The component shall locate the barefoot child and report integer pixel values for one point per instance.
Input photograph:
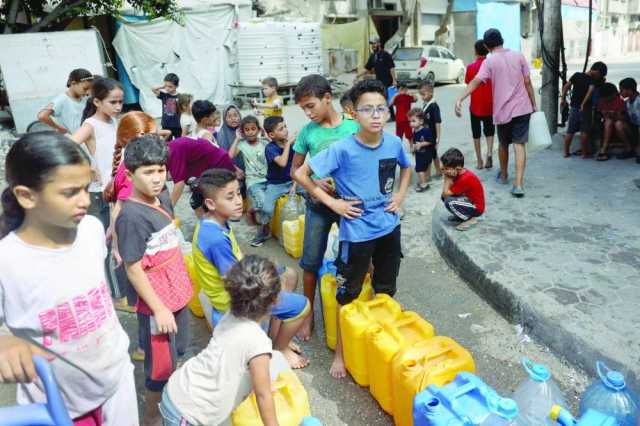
(364, 169)
(215, 251)
(52, 279)
(462, 191)
(168, 95)
(313, 95)
(209, 386)
(150, 247)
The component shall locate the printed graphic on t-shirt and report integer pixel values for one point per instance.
(73, 319)
(387, 174)
(170, 107)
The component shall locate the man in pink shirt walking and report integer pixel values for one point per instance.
(513, 103)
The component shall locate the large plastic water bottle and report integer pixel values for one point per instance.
(611, 396)
(505, 413)
(590, 418)
(289, 212)
(536, 395)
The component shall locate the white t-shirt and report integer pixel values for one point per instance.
(633, 110)
(68, 112)
(187, 120)
(59, 298)
(102, 160)
(208, 387)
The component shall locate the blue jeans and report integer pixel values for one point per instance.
(170, 414)
(271, 195)
(317, 224)
(256, 194)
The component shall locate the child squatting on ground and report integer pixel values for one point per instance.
(45, 223)
(238, 358)
(363, 167)
(462, 191)
(215, 251)
(149, 244)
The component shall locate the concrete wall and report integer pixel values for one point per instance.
(465, 32)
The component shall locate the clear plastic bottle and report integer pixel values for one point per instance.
(536, 395)
(289, 212)
(610, 395)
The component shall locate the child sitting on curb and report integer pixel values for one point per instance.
(462, 191)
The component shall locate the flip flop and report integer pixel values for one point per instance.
(465, 226)
(602, 157)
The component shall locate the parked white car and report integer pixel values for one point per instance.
(432, 63)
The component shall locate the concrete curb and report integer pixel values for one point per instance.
(578, 351)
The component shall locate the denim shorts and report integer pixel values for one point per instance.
(170, 414)
(288, 307)
(317, 224)
(271, 195)
(256, 193)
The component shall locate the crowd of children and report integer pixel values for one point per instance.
(115, 167)
(597, 107)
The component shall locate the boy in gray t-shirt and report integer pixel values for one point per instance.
(66, 108)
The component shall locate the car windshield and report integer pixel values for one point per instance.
(407, 54)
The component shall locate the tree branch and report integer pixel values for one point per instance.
(60, 10)
(12, 16)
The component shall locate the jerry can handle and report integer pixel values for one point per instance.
(603, 372)
(55, 404)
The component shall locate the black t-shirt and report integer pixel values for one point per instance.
(170, 114)
(423, 135)
(580, 83)
(141, 228)
(431, 118)
(381, 63)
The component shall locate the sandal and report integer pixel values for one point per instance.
(465, 226)
(602, 157)
(489, 163)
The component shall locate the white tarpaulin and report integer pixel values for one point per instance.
(201, 52)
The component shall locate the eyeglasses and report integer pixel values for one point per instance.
(369, 110)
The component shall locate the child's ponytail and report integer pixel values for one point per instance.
(99, 91)
(12, 213)
(30, 162)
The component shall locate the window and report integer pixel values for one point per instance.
(447, 54)
(433, 53)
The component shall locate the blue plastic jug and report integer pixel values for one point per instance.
(310, 421)
(590, 418)
(536, 395)
(467, 401)
(611, 396)
(53, 413)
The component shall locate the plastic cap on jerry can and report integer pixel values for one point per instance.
(310, 421)
(611, 396)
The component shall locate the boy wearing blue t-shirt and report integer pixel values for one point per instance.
(363, 167)
(279, 155)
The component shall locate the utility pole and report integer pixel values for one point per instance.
(551, 34)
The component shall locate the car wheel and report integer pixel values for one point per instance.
(460, 78)
(430, 78)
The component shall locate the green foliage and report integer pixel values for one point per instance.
(44, 15)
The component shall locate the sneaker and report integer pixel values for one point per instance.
(501, 180)
(517, 192)
(260, 238)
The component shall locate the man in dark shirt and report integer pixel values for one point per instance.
(380, 63)
(582, 86)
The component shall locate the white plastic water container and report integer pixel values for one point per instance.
(262, 52)
(304, 50)
(536, 395)
(539, 130)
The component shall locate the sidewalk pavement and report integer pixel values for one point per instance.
(564, 261)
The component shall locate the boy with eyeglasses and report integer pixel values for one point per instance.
(363, 167)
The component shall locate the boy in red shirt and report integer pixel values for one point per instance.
(402, 101)
(481, 108)
(612, 108)
(462, 191)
